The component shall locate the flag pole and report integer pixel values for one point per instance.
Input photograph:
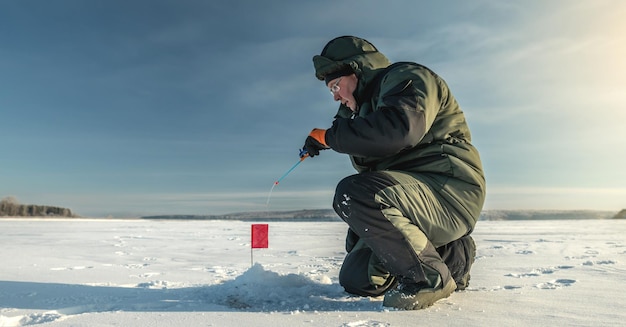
(258, 239)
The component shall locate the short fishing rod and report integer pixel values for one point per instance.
(303, 155)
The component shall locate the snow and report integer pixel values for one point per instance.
(92, 272)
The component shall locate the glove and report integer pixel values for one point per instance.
(315, 142)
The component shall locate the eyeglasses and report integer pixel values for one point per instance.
(335, 88)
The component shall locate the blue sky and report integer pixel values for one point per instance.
(127, 108)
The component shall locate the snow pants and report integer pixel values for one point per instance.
(399, 228)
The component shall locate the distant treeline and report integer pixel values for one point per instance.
(9, 207)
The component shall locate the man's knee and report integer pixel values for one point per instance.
(355, 277)
(359, 190)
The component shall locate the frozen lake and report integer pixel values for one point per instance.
(92, 272)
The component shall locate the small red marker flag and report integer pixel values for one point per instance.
(260, 236)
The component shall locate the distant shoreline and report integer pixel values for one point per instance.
(328, 215)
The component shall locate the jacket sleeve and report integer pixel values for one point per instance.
(399, 122)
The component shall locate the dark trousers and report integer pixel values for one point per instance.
(395, 219)
(357, 275)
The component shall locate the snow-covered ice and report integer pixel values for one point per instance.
(92, 272)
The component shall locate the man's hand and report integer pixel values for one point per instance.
(315, 142)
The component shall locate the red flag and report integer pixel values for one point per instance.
(260, 236)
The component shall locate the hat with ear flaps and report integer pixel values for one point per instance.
(348, 54)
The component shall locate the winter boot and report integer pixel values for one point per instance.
(423, 285)
(414, 296)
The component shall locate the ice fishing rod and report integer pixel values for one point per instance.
(303, 155)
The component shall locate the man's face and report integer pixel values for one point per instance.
(342, 89)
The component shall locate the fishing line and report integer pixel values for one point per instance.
(303, 155)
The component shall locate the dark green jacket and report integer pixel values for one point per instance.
(408, 120)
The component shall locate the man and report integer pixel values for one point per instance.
(420, 186)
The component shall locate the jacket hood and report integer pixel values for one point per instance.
(357, 53)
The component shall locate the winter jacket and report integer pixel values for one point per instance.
(407, 120)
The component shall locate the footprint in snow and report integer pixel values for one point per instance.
(538, 272)
(71, 268)
(600, 262)
(369, 323)
(555, 284)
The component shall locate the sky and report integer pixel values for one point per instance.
(127, 108)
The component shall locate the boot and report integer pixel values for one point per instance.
(423, 285)
(414, 296)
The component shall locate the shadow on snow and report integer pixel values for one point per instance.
(256, 290)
